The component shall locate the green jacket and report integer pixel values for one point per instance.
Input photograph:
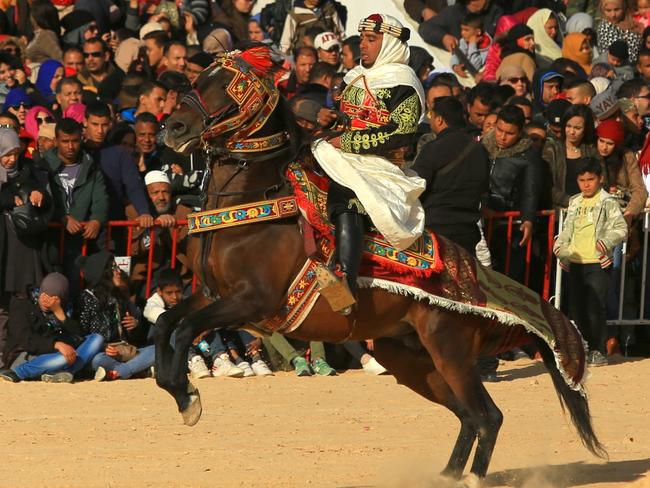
(610, 226)
(89, 197)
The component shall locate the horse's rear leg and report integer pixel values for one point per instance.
(451, 339)
(415, 370)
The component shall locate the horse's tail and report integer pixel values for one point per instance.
(573, 401)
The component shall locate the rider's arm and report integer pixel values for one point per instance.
(404, 107)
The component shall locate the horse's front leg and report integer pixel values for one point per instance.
(231, 312)
(165, 326)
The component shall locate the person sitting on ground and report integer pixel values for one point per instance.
(303, 368)
(43, 341)
(594, 225)
(104, 308)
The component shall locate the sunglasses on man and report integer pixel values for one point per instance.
(20, 105)
(94, 54)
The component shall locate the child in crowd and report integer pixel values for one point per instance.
(43, 341)
(474, 45)
(594, 225)
(641, 13)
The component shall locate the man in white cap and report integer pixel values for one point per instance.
(384, 100)
(328, 47)
(166, 213)
(159, 189)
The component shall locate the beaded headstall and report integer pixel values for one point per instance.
(255, 99)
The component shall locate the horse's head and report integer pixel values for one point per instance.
(231, 100)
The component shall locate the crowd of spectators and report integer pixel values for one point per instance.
(86, 86)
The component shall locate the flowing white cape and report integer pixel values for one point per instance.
(390, 197)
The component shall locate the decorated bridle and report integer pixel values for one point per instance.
(254, 99)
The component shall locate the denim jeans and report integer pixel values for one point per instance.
(55, 362)
(143, 360)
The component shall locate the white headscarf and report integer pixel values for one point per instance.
(545, 45)
(391, 67)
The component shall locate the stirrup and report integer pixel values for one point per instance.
(335, 290)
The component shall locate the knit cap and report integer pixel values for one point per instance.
(56, 285)
(9, 141)
(611, 129)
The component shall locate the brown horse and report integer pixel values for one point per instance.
(246, 272)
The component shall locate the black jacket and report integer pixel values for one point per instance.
(454, 197)
(515, 177)
(448, 22)
(30, 330)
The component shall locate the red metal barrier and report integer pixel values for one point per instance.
(130, 225)
(547, 216)
(490, 218)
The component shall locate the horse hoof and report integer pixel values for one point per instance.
(470, 481)
(192, 413)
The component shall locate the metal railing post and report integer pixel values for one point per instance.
(557, 302)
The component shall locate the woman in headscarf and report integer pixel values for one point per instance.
(516, 77)
(127, 52)
(548, 37)
(577, 48)
(504, 24)
(22, 251)
(37, 116)
(49, 74)
(518, 49)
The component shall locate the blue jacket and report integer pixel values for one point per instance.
(123, 182)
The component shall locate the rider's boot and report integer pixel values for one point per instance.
(338, 292)
(350, 228)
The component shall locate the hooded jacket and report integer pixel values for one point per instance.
(449, 19)
(89, 197)
(515, 177)
(540, 76)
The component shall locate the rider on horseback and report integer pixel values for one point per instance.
(384, 101)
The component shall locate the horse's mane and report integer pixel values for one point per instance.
(296, 139)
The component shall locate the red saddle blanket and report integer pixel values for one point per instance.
(420, 259)
(445, 275)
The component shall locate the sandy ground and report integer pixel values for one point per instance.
(348, 431)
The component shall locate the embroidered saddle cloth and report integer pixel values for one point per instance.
(439, 272)
(310, 191)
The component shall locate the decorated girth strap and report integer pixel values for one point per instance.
(248, 213)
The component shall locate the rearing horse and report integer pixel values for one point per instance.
(248, 270)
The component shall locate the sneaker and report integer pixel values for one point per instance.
(9, 375)
(197, 368)
(301, 366)
(597, 358)
(246, 368)
(260, 368)
(321, 367)
(223, 367)
(372, 366)
(60, 377)
(100, 374)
